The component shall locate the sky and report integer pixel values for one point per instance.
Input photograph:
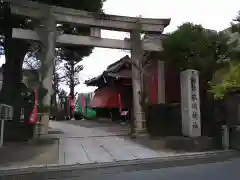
(211, 14)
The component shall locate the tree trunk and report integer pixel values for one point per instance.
(54, 95)
(15, 50)
(72, 86)
(12, 73)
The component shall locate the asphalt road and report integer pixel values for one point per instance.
(229, 170)
(223, 166)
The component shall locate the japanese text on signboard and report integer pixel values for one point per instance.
(194, 101)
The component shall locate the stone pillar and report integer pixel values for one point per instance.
(136, 56)
(190, 103)
(41, 128)
(48, 34)
(161, 82)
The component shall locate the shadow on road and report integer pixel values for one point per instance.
(34, 152)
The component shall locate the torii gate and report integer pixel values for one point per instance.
(48, 17)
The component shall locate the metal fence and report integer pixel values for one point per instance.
(6, 114)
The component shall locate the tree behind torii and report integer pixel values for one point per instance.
(230, 74)
(16, 49)
(194, 47)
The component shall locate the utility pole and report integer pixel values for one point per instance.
(136, 56)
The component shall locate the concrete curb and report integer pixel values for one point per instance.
(170, 161)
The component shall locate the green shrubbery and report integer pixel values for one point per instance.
(230, 82)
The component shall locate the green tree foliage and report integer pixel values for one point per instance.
(193, 47)
(230, 76)
(230, 81)
(68, 73)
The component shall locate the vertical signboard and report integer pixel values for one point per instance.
(190, 103)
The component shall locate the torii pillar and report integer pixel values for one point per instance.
(48, 34)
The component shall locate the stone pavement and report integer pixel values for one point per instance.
(87, 128)
(83, 145)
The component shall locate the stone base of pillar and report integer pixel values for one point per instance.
(139, 126)
(140, 132)
(140, 135)
(42, 126)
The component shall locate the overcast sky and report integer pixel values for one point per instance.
(212, 14)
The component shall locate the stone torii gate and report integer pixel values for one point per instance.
(48, 17)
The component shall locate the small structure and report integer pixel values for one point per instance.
(114, 92)
(114, 89)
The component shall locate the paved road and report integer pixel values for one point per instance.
(196, 170)
(220, 171)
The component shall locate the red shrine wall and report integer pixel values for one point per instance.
(172, 84)
(152, 83)
(105, 99)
